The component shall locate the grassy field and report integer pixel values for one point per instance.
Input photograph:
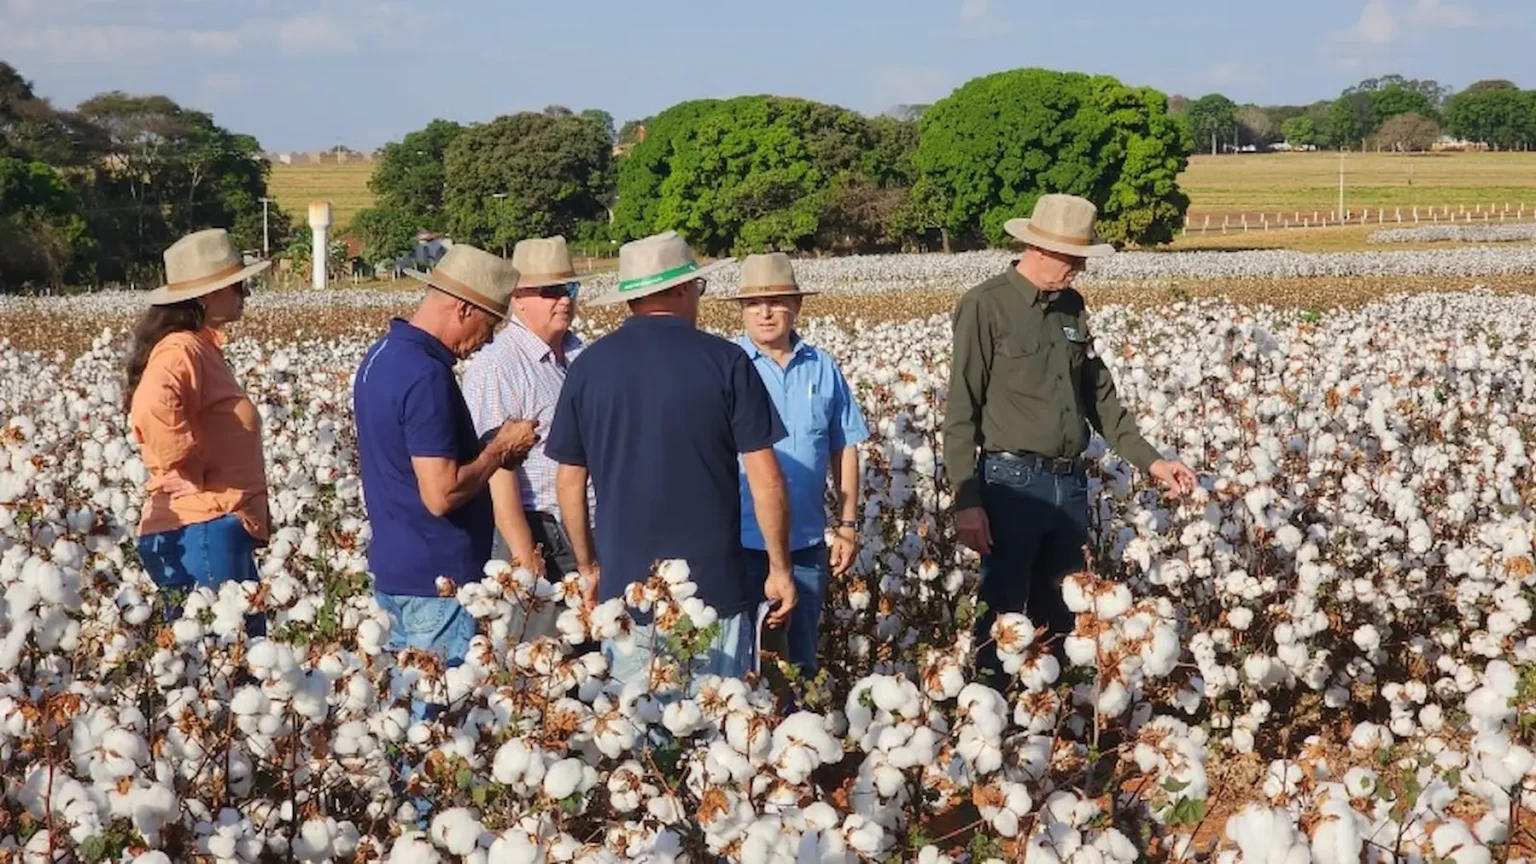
(1253, 184)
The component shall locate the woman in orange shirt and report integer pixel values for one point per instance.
(205, 506)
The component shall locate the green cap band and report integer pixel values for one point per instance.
(665, 275)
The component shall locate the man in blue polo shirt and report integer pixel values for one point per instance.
(425, 473)
(825, 428)
(657, 413)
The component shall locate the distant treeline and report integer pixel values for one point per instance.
(92, 196)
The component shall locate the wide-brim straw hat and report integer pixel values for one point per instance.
(542, 261)
(1061, 223)
(475, 276)
(653, 264)
(201, 263)
(767, 275)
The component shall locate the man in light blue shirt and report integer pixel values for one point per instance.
(825, 427)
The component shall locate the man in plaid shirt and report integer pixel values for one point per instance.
(519, 375)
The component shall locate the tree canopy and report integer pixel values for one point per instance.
(994, 146)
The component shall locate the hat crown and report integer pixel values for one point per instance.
(767, 271)
(543, 261)
(1068, 216)
(659, 254)
(200, 255)
(490, 276)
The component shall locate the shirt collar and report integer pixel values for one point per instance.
(800, 346)
(403, 329)
(533, 347)
(1034, 295)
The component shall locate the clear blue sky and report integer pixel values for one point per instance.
(308, 74)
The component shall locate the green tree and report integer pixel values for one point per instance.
(754, 173)
(1212, 121)
(410, 176)
(1351, 120)
(43, 233)
(386, 232)
(1408, 133)
(996, 144)
(603, 120)
(1393, 101)
(555, 172)
(648, 164)
(1301, 132)
(1256, 126)
(1496, 113)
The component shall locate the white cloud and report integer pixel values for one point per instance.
(1377, 25)
(907, 85)
(972, 11)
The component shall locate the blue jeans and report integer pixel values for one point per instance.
(732, 654)
(203, 555)
(811, 569)
(1039, 524)
(439, 625)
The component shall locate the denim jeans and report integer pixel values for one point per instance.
(559, 560)
(203, 555)
(439, 625)
(1039, 524)
(732, 654)
(811, 569)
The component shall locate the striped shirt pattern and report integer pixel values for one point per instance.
(517, 377)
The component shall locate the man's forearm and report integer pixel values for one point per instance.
(845, 476)
(571, 492)
(511, 521)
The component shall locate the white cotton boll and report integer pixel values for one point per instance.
(1081, 651)
(563, 778)
(1111, 604)
(1367, 638)
(1074, 594)
(457, 830)
(1240, 618)
(413, 847)
(1453, 841)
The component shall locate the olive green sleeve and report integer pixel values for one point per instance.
(1111, 419)
(969, 370)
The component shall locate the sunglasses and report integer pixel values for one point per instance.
(553, 292)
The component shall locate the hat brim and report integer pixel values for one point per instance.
(1020, 230)
(764, 294)
(164, 296)
(454, 292)
(613, 297)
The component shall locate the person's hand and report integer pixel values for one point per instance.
(974, 530)
(845, 548)
(177, 486)
(781, 587)
(591, 577)
(1175, 475)
(513, 441)
(531, 560)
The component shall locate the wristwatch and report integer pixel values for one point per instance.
(848, 523)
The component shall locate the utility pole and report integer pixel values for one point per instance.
(1341, 185)
(266, 239)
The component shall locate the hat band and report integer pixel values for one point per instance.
(764, 289)
(201, 281)
(545, 277)
(1059, 238)
(626, 285)
(466, 292)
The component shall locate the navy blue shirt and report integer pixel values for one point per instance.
(407, 403)
(658, 412)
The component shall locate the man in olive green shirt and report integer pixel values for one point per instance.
(1025, 386)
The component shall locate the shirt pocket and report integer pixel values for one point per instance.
(1020, 355)
(818, 424)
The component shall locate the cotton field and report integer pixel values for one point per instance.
(1325, 654)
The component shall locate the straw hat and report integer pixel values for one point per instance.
(654, 264)
(474, 276)
(542, 261)
(202, 263)
(769, 275)
(1061, 223)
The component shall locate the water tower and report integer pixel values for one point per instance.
(320, 229)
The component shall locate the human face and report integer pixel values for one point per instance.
(770, 320)
(547, 310)
(225, 305)
(476, 327)
(1055, 271)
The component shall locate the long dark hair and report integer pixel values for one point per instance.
(155, 324)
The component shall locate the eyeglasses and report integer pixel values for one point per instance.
(553, 292)
(775, 305)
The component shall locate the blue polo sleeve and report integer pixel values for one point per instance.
(426, 417)
(755, 423)
(564, 444)
(848, 427)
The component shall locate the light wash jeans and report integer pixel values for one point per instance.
(732, 654)
(811, 569)
(439, 625)
(203, 555)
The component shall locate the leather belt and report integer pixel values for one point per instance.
(1049, 464)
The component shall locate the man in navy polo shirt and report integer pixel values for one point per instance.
(425, 473)
(656, 414)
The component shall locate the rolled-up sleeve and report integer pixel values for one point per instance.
(969, 372)
(166, 401)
